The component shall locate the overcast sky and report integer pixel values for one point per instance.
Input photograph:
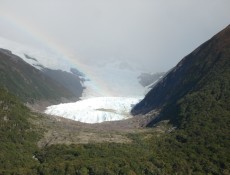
(153, 34)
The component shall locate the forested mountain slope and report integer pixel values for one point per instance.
(195, 98)
(204, 71)
(18, 136)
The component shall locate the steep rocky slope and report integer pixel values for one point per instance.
(206, 70)
(29, 83)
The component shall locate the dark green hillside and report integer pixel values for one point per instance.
(207, 66)
(195, 97)
(17, 136)
(211, 91)
(28, 83)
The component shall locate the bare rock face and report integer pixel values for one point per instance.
(146, 79)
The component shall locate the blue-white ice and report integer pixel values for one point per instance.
(95, 110)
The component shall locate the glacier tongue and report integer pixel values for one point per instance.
(95, 110)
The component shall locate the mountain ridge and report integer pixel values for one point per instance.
(29, 83)
(187, 75)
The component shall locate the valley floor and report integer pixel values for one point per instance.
(58, 130)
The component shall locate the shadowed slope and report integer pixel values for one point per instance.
(28, 83)
(199, 69)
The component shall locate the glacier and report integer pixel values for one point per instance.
(110, 91)
(107, 80)
(96, 109)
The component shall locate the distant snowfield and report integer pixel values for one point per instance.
(95, 110)
(40, 58)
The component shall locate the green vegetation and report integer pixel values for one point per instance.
(28, 83)
(199, 146)
(17, 136)
(202, 141)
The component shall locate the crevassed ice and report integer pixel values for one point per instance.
(95, 110)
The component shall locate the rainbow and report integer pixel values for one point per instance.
(52, 44)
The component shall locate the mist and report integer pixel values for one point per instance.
(150, 35)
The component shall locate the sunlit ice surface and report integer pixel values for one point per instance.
(96, 109)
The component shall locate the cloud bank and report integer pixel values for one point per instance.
(152, 35)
